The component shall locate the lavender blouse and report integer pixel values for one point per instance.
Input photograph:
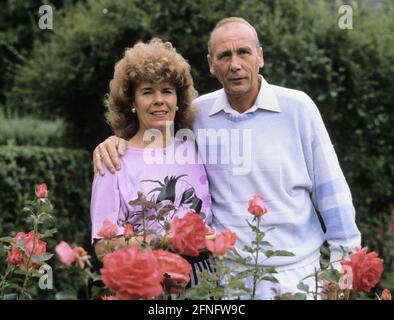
(172, 177)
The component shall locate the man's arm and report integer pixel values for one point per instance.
(108, 152)
(331, 194)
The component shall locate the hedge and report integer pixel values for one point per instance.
(68, 175)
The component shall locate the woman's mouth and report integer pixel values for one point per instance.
(159, 113)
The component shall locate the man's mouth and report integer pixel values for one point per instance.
(234, 79)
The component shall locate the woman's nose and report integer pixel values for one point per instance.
(158, 98)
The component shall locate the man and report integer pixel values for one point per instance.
(293, 163)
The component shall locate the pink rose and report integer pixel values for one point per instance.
(175, 270)
(65, 253)
(68, 255)
(132, 273)
(42, 191)
(222, 242)
(366, 269)
(256, 206)
(386, 294)
(188, 234)
(108, 230)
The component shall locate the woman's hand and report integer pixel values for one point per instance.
(108, 152)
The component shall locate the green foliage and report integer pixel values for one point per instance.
(68, 75)
(68, 176)
(31, 131)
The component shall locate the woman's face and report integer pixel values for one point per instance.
(155, 104)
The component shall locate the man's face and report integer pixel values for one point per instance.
(235, 59)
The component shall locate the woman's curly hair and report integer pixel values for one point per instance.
(157, 62)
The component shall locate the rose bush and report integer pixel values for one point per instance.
(153, 268)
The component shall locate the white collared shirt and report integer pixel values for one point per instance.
(265, 100)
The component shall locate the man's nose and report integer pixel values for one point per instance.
(235, 63)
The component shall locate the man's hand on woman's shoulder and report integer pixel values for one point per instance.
(108, 153)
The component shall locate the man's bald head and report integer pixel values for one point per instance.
(229, 22)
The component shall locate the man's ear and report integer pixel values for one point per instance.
(211, 68)
(261, 57)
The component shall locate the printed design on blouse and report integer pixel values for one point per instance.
(172, 195)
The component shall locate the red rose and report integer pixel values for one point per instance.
(33, 247)
(386, 294)
(222, 242)
(15, 256)
(128, 231)
(366, 269)
(108, 230)
(188, 234)
(42, 191)
(132, 273)
(256, 205)
(175, 270)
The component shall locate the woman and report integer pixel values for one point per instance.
(150, 96)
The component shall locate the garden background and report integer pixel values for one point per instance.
(53, 82)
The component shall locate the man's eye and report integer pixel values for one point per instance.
(224, 55)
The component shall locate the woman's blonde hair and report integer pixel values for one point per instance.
(157, 62)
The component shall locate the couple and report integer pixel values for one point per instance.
(293, 163)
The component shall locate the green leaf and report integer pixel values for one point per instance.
(249, 249)
(303, 287)
(265, 243)
(299, 296)
(21, 245)
(278, 253)
(253, 227)
(269, 270)
(244, 274)
(42, 257)
(6, 239)
(330, 275)
(268, 278)
(66, 295)
(269, 253)
(48, 233)
(283, 253)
